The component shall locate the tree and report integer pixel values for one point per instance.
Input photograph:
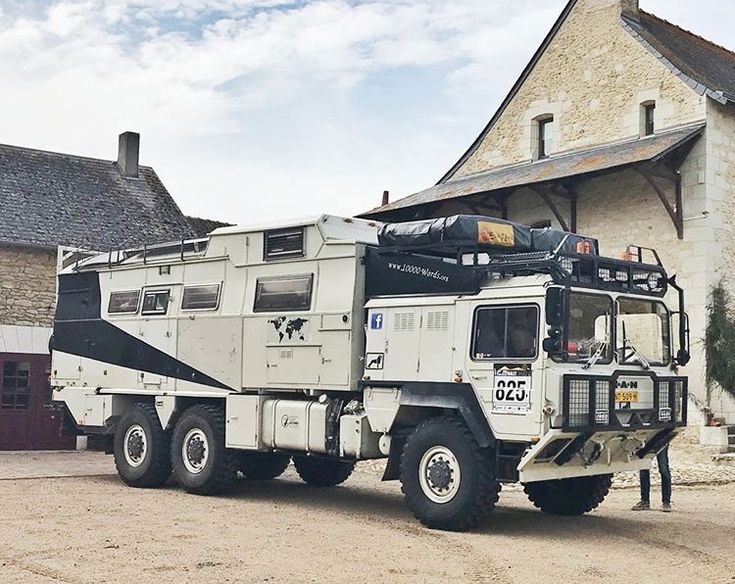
(719, 341)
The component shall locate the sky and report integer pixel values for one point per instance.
(254, 110)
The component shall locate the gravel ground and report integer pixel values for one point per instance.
(92, 530)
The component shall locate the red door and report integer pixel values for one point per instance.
(28, 419)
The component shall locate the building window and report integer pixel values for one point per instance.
(283, 243)
(156, 302)
(124, 302)
(648, 118)
(283, 293)
(545, 136)
(204, 297)
(509, 332)
(15, 390)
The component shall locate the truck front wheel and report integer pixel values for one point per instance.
(262, 466)
(322, 472)
(575, 496)
(448, 480)
(199, 458)
(141, 448)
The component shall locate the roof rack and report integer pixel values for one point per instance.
(584, 270)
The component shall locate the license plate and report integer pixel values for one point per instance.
(626, 397)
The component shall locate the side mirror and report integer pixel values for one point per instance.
(552, 345)
(555, 306)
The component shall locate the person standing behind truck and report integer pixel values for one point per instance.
(645, 476)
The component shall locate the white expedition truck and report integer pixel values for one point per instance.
(469, 351)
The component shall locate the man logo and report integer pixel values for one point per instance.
(376, 321)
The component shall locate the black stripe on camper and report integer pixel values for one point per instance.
(80, 330)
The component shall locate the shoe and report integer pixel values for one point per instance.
(641, 506)
(666, 508)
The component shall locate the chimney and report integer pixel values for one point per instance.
(386, 198)
(127, 154)
(630, 7)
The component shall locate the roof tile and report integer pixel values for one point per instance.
(49, 199)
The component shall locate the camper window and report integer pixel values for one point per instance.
(283, 293)
(156, 302)
(505, 333)
(124, 302)
(205, 297)
(283, 243)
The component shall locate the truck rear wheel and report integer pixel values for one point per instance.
(141, 448)
(199, 458)
(323, 472)
(575, 496)
(448, 480)
(262, 466)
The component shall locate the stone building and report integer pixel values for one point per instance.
(49, 200)
(621, 127)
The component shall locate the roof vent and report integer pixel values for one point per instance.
(127, 154)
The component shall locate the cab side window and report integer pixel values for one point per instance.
(508, 332)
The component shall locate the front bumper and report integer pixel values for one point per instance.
(588, 403)
(561, 455)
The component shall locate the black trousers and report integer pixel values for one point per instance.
(663, 468)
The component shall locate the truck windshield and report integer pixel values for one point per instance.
(588, 333)
(643, 332)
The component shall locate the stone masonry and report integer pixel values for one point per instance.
(27, 286)
(593, 78)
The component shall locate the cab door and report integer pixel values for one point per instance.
(504, 364)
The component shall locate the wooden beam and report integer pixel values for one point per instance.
(570, 193)
(676, 213)
(554, 209)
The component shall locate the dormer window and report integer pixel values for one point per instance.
(648, 118)
(545, 136)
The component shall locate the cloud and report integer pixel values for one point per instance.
(252, 109)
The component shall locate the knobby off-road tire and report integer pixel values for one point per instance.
(323, 472)
(448, 480)
(575, 496)
(200, 461)
(262, 466)
(141, 448)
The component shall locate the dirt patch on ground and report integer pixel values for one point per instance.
(94, 530)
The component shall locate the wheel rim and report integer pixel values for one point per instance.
(135, 445)
(439, 474)
(195, 450)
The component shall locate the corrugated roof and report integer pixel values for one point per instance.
(706, 67)
(579, 163)
(49, 199)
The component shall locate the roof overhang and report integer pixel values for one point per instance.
(564, 167)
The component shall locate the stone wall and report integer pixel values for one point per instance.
(720, 180)
(27, 286)
(593, 78)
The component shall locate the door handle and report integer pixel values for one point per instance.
(479, 377)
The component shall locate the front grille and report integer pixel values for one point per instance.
(588, 403)
(578, 402)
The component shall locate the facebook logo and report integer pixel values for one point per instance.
(376, 321)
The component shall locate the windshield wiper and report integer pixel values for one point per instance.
(633, 352)
(636, 353)
(595, 357)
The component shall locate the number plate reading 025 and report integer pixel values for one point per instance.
(512, 391)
